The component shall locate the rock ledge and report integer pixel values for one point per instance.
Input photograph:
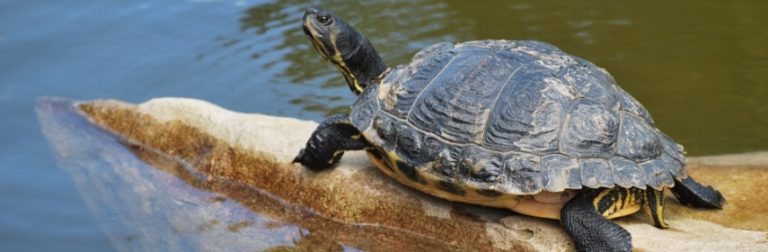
(372, 212)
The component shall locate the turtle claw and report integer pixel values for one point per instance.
(309, 160)
(303, 159)
(328, 142)
(298, 158)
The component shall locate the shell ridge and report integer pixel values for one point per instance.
(422, 91)
(565, 122)
(620, 125)
(496, 100)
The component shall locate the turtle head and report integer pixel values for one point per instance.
(346, 48)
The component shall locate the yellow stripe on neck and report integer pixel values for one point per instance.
(336, 58)
(345, 71)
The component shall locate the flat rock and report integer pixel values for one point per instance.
(356, 205)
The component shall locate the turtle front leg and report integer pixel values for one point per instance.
(585, 219)
(328, 142)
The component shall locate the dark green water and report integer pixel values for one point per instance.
(701, 69)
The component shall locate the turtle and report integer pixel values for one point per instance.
(516, 124)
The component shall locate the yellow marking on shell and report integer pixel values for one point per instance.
(429, 187)
(530, 207)
(526, 205)
(356, 137)
(393, 158)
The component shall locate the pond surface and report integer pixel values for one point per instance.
(700, 68)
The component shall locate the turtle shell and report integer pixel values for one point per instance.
(513, 117)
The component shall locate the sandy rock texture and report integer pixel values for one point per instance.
(372, 212)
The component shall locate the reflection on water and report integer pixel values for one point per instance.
(700, 69)
(313, 84)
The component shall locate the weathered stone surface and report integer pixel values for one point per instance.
(256, 150)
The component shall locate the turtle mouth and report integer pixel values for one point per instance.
(312, 30)
(306, 30)
(308, 26)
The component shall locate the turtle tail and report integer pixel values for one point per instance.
(689, 192)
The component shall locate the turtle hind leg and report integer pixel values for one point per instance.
(689, 192)
(328, 142)
(584, 219)
(653, 204)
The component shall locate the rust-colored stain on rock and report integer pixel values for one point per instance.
(355, 216)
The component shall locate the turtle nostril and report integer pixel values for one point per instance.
(311, 10)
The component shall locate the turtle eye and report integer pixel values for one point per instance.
(324, 19)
